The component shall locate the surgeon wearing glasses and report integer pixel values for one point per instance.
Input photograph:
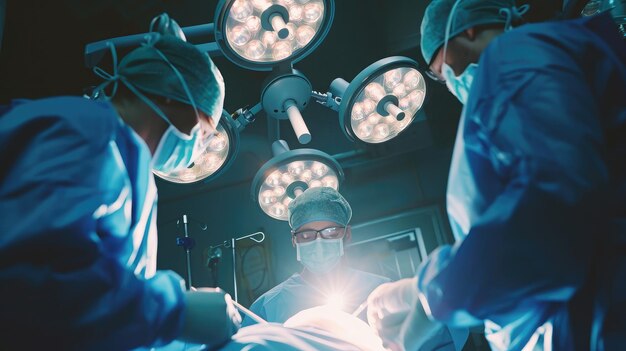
(319, 220)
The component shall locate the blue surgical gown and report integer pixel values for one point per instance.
(296, 294)
(537, 192)
(78, 232)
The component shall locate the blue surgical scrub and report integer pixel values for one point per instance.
(297, 293)
(78, 232)
(537, 193)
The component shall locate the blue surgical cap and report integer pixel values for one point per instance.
(147, 71)
(468, 14)
(319, 204)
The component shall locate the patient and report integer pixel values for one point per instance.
(322, 328)
(317, 329)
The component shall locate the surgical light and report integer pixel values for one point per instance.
(288, 174)
(214, 160)
(381, 101)
(258, 34)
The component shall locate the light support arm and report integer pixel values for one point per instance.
(245, 116)
(297, 122)
(94, 52)
(327, 100)
(332, 99)
(285, 94)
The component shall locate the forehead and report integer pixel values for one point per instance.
(318, 225)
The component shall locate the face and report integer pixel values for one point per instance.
(459, 54)
(183, 117)
(318, 226)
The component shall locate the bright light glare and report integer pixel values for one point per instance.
(335, 300)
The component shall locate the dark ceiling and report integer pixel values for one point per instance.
(42, 55)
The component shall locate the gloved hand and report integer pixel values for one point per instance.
(388, 307)
(210, 317)
(397, 315)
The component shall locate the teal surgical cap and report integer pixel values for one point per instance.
(468, 14)
(319, 204)
(147, 70)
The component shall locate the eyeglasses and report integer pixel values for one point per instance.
(432, 75)
(326, 233)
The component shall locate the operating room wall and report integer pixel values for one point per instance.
(375, 190)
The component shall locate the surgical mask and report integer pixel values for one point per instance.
(459, 86)
(321, 255)
(177, 150)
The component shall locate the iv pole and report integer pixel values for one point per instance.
(187, 243)
(257, 237)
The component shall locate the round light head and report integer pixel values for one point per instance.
(286, 176)
(382, 101)
(214, 160)
(258, 34)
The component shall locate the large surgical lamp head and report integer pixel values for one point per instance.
(289, 173)
(214, 160)
(381, 101)
(259, 34)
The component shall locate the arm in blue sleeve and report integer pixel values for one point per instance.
(526, 188)
(61, 286)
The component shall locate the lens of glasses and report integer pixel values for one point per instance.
(327, 233)
(305, 236)
(434, 77)
(332, 233)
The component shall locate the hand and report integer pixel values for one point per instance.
(388, 307)
(210, 317)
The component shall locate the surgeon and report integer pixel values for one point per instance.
(537, 187)
(319, 219)
(78, 234)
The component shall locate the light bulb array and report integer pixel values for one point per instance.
(249, 38)
(289, 180)
(404, 84)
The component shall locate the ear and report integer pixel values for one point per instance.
(348, 236)
(471, 33)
